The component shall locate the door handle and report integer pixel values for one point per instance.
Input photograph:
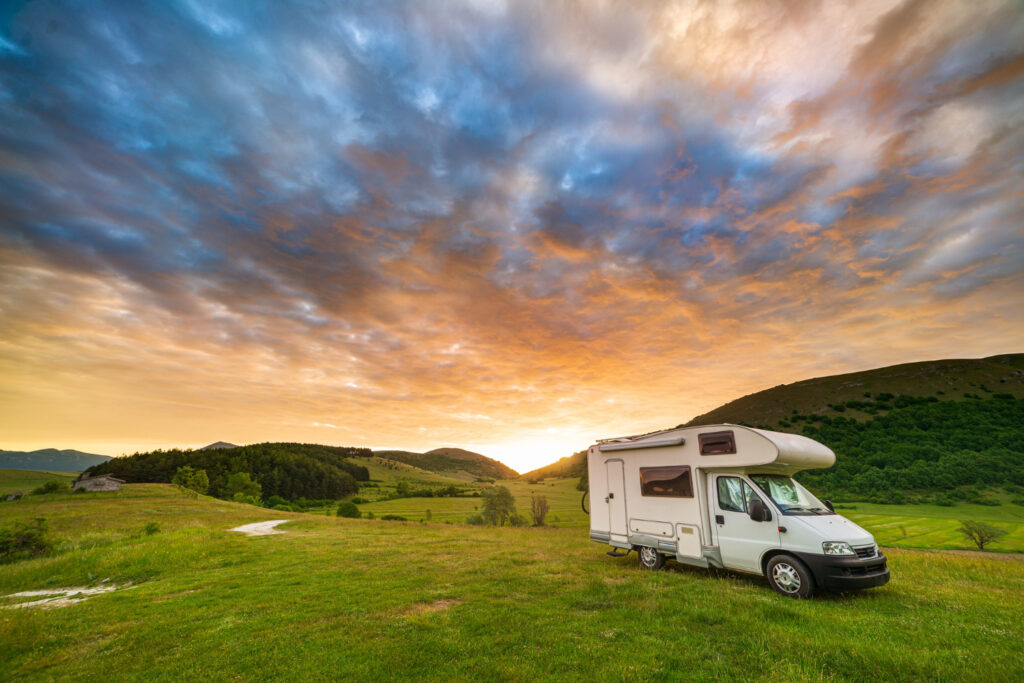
(719, 519)
(609, 497)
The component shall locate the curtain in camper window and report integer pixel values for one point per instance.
(730, 494)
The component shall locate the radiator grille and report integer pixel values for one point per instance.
(866, 552)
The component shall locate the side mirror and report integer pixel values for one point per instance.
(828, 504)
(759, 512)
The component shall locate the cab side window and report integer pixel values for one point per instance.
(730, 494)
(749, 496)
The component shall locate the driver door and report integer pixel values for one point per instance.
(741, 540)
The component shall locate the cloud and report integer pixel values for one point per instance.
(409, 227)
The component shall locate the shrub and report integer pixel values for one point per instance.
(945, 502)
(360, 501)
(394, 518)
(348, 509)
(274, 501)
(475, 520)
(517, 519)
(52, 486)
(25, 540)
(538, 509)
(194, 480)
(151, 528)
(1018, 501)
(991, 502)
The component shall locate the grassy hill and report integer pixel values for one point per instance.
(570, 466)
(452, 462)
(50, 459)
(27, 480)
(337, 598)
(947, 380)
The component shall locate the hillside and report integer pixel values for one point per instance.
(288, 470)
(570, 466)
(50, 459)
(342, 599)
(452, 461)
(936, 431)
(948, 380)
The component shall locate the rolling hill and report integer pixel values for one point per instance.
(50, 459)
(452, 462)
(947, 380)
(934, 431)
(570, 466)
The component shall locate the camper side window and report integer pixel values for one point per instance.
(670, 482)
(717, 443)
(730, 494)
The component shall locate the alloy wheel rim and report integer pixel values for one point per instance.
(648, 556)
(786, 577)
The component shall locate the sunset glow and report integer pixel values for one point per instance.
(508, 227)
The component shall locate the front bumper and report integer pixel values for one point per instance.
(846, 573)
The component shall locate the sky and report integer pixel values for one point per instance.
(510, 227)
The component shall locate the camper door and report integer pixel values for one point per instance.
(616, 500)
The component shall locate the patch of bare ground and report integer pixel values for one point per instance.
(431, 607)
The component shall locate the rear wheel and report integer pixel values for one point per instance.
(650, 558)
(790, 576)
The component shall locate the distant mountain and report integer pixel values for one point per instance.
(216, 445)
(853, 395)
(452, 461)
(50, 459)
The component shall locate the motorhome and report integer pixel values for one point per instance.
(723, 496)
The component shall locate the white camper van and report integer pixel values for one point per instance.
(723, 496)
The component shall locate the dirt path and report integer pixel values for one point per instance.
(261, 528)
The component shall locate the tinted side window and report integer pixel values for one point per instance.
(730, 494)
(672, 482)
(717, 443)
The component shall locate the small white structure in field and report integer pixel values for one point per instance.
(723, 496)
(104, 482)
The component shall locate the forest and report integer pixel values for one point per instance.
(945, 449)
(288, 470)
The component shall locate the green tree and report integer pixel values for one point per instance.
(195, 480)
(348, 509)
(241, 485)
(980, 533)
(499, 506)
(538, 509)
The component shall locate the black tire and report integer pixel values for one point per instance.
(790, 576)
(650, 558)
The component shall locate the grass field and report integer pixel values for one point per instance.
(26, 480)
(907, 526)
(334, 598)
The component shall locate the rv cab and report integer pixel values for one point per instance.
(723, 496)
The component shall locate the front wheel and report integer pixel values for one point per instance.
(790, 576)
(651, 558)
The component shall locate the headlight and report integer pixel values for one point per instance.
(837, 548)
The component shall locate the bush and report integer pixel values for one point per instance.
(25, 540)
(945, 502)
(151, 528)
(275, 501)
(283, 508)
(52, 486)
(348, 509)
(475, 520)
(991, 502)
(518, 520)
(360, 501)
(1018, 501)
(394, 518)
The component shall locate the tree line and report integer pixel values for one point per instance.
(288, 470)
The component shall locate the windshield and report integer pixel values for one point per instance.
(789, 496)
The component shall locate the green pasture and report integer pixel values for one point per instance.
(366, 599)
(27, 480)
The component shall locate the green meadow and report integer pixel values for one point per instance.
(27, 480)
(905, 526)
(356, 598)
